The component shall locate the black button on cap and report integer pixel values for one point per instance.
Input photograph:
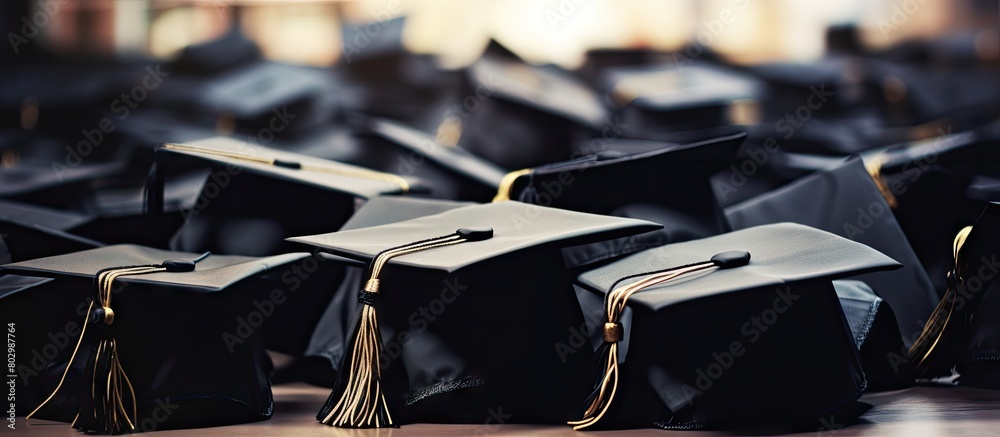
(730, 259)
(475, 234)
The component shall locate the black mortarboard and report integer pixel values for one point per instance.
(964, 97)
(267, 193)
(926, 183)
(798, 130)
(232, 50)
(469, 320)
(382, 78)
(663, 99)
(876, 335)
(846, 201)
(43, 180)
(962, 330)
(229, 83)
(518, 115)
(827, 86)
(31, 231)
(263, 99)
(669, 185)
(10, 284)
(451, 172)
(597, 62)
(63, 96)
(333, 331)
(746, 330)
(160, 344)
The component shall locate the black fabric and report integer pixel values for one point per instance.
(884, 357)
(667, 185)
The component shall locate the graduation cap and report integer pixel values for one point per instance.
(63, 96)
(267, 194)
(10, 284)
(926, 182)
(912, 94)
(425, 358)
(326, 344)
(668, 185)
(518, 115)
(264, 99)
(451, 172)
(158, 346)
(233, 49)
(962, 328)
(107, 207)
(31, 231)
(380, 77)
(827, 86)
(597, 62)
(735, 330)
(51, 180)
(230, 84)
(654, 100)
(876, 335)
(845, 200)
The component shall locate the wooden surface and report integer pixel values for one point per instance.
(919, 411)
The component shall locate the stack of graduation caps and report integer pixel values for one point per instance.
(736, 330)
(465, 323)
(159, 344)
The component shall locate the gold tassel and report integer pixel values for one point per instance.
(359, 402)
(874, 168)
(613, 331)
(507, 184)
(935, 328)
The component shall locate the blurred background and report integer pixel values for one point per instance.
(541, 31)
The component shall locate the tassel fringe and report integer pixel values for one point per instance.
(360, 401)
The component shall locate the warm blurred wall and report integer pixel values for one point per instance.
(557, 31)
